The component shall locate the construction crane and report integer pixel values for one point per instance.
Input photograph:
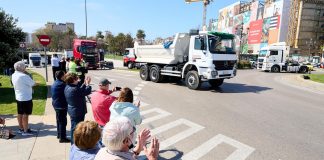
(205, 3)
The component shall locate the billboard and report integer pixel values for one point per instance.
(255, 32)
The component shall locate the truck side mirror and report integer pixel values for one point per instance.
(202, 44)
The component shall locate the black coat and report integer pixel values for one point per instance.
(75, 97)
(58, 97)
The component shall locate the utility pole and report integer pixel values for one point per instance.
(86, 17)
(205, 3)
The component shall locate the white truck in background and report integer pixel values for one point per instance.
(34, 59)
(277, 59)
(195, 57)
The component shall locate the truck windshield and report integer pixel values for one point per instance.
(35, 58)
(263, 53)
(217, 45)
(87, 49)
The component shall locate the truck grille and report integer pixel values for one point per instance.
(90, 59)
(224, 65)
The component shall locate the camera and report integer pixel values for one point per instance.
(118, 88)
(83, 70)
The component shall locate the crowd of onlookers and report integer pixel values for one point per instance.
(114, 133)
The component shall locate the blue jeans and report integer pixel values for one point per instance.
(74, 122)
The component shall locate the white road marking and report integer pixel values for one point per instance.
(178, 137)
(99, 78)
(161, 114)
(138, 88)
(241, 153)
(135, 92)
(144, 82)
(141, 85)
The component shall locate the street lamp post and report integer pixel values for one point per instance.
(86, 17)
(311, 43)
(205, 3)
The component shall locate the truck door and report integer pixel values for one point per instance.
(199, 52)
(274, 57)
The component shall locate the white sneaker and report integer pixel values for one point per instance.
(20, 131)
(26, 134)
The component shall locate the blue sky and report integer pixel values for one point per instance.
(157, 18)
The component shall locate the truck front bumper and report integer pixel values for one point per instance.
(212, 74)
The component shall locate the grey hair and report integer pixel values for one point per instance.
(115, 132)
(20, 66)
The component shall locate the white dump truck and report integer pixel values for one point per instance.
(196, 57)
(277, 59)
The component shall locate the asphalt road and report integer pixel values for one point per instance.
(252, 116)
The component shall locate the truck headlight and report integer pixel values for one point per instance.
(214, 73)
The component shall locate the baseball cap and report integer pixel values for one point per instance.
(104, 82)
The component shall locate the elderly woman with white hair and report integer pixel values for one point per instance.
(23, 86)
(118, 137)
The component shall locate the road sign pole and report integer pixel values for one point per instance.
(46, 77)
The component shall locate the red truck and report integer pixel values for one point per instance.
(86, 50)
(129, 58)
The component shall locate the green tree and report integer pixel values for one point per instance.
(99, 35)
(140, 35)
(10, 36)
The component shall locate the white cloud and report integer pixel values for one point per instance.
(30, 26)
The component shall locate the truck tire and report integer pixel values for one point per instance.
(303, 69)
(275, 69)
(144, 73)
(130, 65)
(193, 80)
(216, 82)
(155, 75)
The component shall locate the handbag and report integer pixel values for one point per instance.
(4, 133)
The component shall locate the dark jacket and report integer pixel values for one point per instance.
(75, 97)
(58, 97)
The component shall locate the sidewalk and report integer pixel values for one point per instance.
(44, 145)
(299, 82)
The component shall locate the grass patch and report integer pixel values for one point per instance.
(8, 103)
(114, 56)
(317, 77)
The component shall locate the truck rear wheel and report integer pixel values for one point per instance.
(155, 75)
(216, 82)
(144, 73)
(303, 69)
(193, 80)
(275, 69)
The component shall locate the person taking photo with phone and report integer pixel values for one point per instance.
(101, 101)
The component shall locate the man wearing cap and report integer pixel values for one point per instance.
(101, 101)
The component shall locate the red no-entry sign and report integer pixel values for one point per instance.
(44, 40)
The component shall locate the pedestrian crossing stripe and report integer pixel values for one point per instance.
(241, 153)
(193, 128)
(161, 114)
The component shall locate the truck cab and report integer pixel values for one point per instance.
(129, 58)
(34, 59)
(86, 50)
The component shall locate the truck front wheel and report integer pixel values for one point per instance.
(193, 80)
(144, 73)
(275, 69)
(130, 65)
(216, 82)
(155, 75)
